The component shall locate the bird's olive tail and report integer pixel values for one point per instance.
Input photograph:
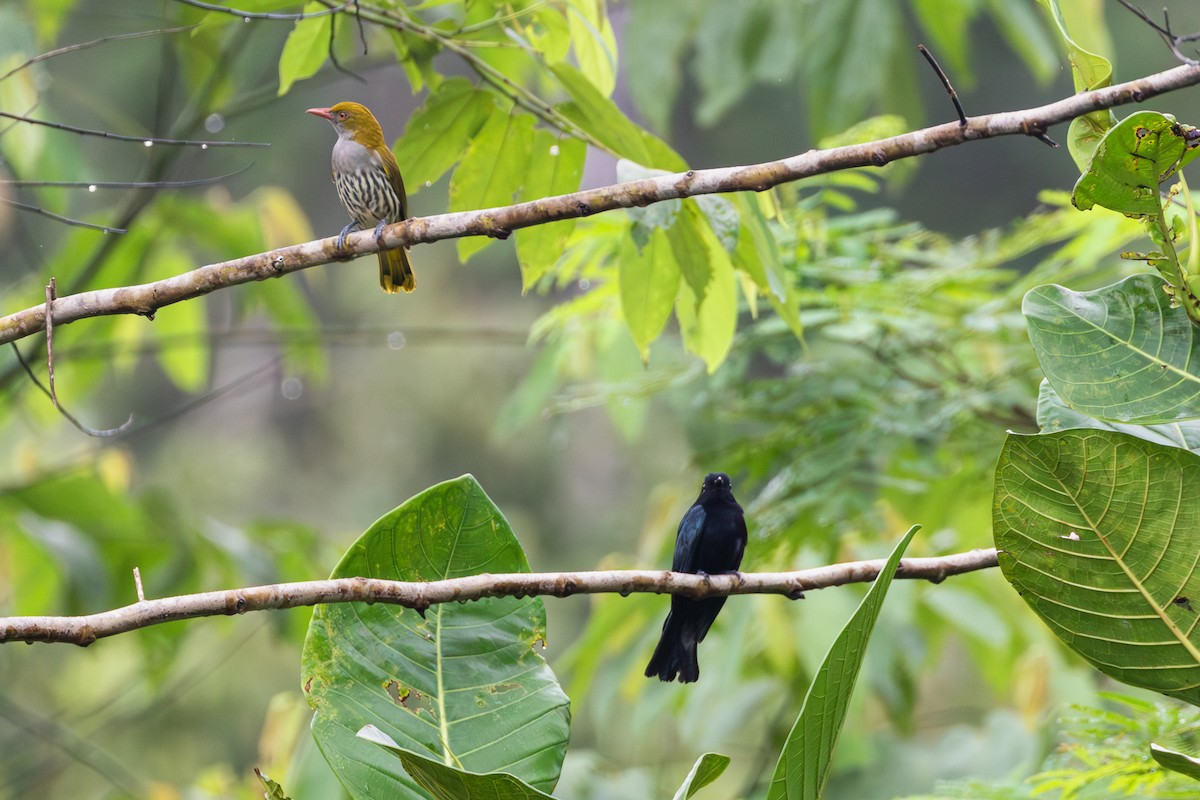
(395, 272)
(675, 654)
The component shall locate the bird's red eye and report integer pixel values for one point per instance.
(342, 115)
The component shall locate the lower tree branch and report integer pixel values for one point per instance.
(84, 630)
(147, 298)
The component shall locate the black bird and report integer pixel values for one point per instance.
(710, 541)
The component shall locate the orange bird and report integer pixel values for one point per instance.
(369, 185)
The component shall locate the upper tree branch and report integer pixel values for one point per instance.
(87, 629)
(499, 222)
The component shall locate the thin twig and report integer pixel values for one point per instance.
(247, 15)
(90, 185)
(1164, 31)
(945, 79)
(72, 48)
(59, 217)
(51, 296)
(145, 140)
(102, 433)
(83, 630)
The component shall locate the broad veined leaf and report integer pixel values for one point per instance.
(803, 767)
(1098, 533)
(1055, 415)
(1134, 157)
(464, 684)
(438, 133)
(446, 782)
(492, 171)
(555, 167)
(306, 48)
(1118, 353)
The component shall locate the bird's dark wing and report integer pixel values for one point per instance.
(687, 541)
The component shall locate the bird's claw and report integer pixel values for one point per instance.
(341, 242)
(379, 232)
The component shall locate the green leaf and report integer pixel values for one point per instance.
(1176, 761)
(692, 254)
(803, 767)
(274, 790)
(306, 48)
(439, 132)
(1096, 532)
(1055, 415)
(555, 167)
(708, 315)
(492, 170)
(464, 684)
(594, 43)
(1089, 71)
(706, 770)
(1134, 157)
(602, 118)
(649, 279)
(445, 782)
(1118, 353)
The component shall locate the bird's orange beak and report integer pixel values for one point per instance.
(320, 112)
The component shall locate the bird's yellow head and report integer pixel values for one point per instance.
(353, 120)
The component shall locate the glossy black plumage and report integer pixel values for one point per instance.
(711, 540)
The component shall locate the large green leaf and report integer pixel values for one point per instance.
(555, 167)
(493, 169)
(306, 48)
(438, 133)
(1055, 415)
(649, 279)
(465, 684)
(1118, 353)
(1098, 533)
(1134, 157)
(445, 782)
(803, 767)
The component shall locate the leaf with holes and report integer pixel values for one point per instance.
(1136, 155)
(464, 685)
(1099, 533)
(1119, 353)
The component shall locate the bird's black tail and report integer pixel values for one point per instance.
(675, 653)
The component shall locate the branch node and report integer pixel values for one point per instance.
(879, 158)
(137, 583)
